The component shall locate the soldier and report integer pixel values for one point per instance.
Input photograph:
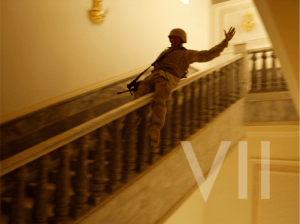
(167, 73)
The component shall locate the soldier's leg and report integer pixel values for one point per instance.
(144, 88)
(159, 111)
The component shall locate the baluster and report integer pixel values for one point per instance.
(18, 213)
(98, 180)
(212, 94)
(143, 141)
(116, 163)
(204, 101)
(62, 192)
(166, 132)
(200, 103)
(154, 155)
(130, 149)
(81, 178)
(2, 190)
(264, 83)
(237, 65)
(230, 84)
(221, 87)
(274, 84)
(186, 118)
(40, 208)
(208, 99)
(283, 85)
(254, 74)
(195, 106)
(234, 93)
(216, 93)
(176, 115)
(226, 101)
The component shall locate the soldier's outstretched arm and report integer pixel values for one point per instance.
(208, 55)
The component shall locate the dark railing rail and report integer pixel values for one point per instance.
(266, 75)
(59, 180)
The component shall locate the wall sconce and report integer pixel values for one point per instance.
(96, 14)
(248, 24)
(185, 1)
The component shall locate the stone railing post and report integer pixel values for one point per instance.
(243, 76)
(62, 192)
(176, 117)
(81, 185)
(274, 83)
(201, 103)
(217, 89)
(130, 146)
(99, 176)
(116, 156)
(18, 214)
(264, 80)
(254, 74)
(186, 112)
(40, 208)
(166, 132)
(195, 106)
(143, 146)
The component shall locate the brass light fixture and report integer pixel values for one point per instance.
(96, 14)
(248, 24)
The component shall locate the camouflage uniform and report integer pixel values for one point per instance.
(165, 77)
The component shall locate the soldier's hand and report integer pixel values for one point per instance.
(230, 34)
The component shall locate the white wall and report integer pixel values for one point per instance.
(232, 13)
(50, 48)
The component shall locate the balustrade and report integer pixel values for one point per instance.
(81, 185)
(40, 208)
(176, 117)
(143, 147)
(130, 147)
(99, 173)
(266, 75)
(116, 155)
(216, 93)
(62, 192)
(201, 103)
(195, 106)
(166, 132)
(18, 212)
(107, 152)
(186, 112)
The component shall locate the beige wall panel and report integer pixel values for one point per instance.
(52, 48)
(232, 13)
(283, 205)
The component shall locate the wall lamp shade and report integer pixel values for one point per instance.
(185, 1)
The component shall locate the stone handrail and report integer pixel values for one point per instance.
(94, 159)
(259, 50)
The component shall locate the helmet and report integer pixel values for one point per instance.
(179, 33)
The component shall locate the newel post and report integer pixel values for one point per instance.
(243, 75)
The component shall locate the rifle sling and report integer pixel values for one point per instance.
(161, 57)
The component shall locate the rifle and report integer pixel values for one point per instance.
(134, 85)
